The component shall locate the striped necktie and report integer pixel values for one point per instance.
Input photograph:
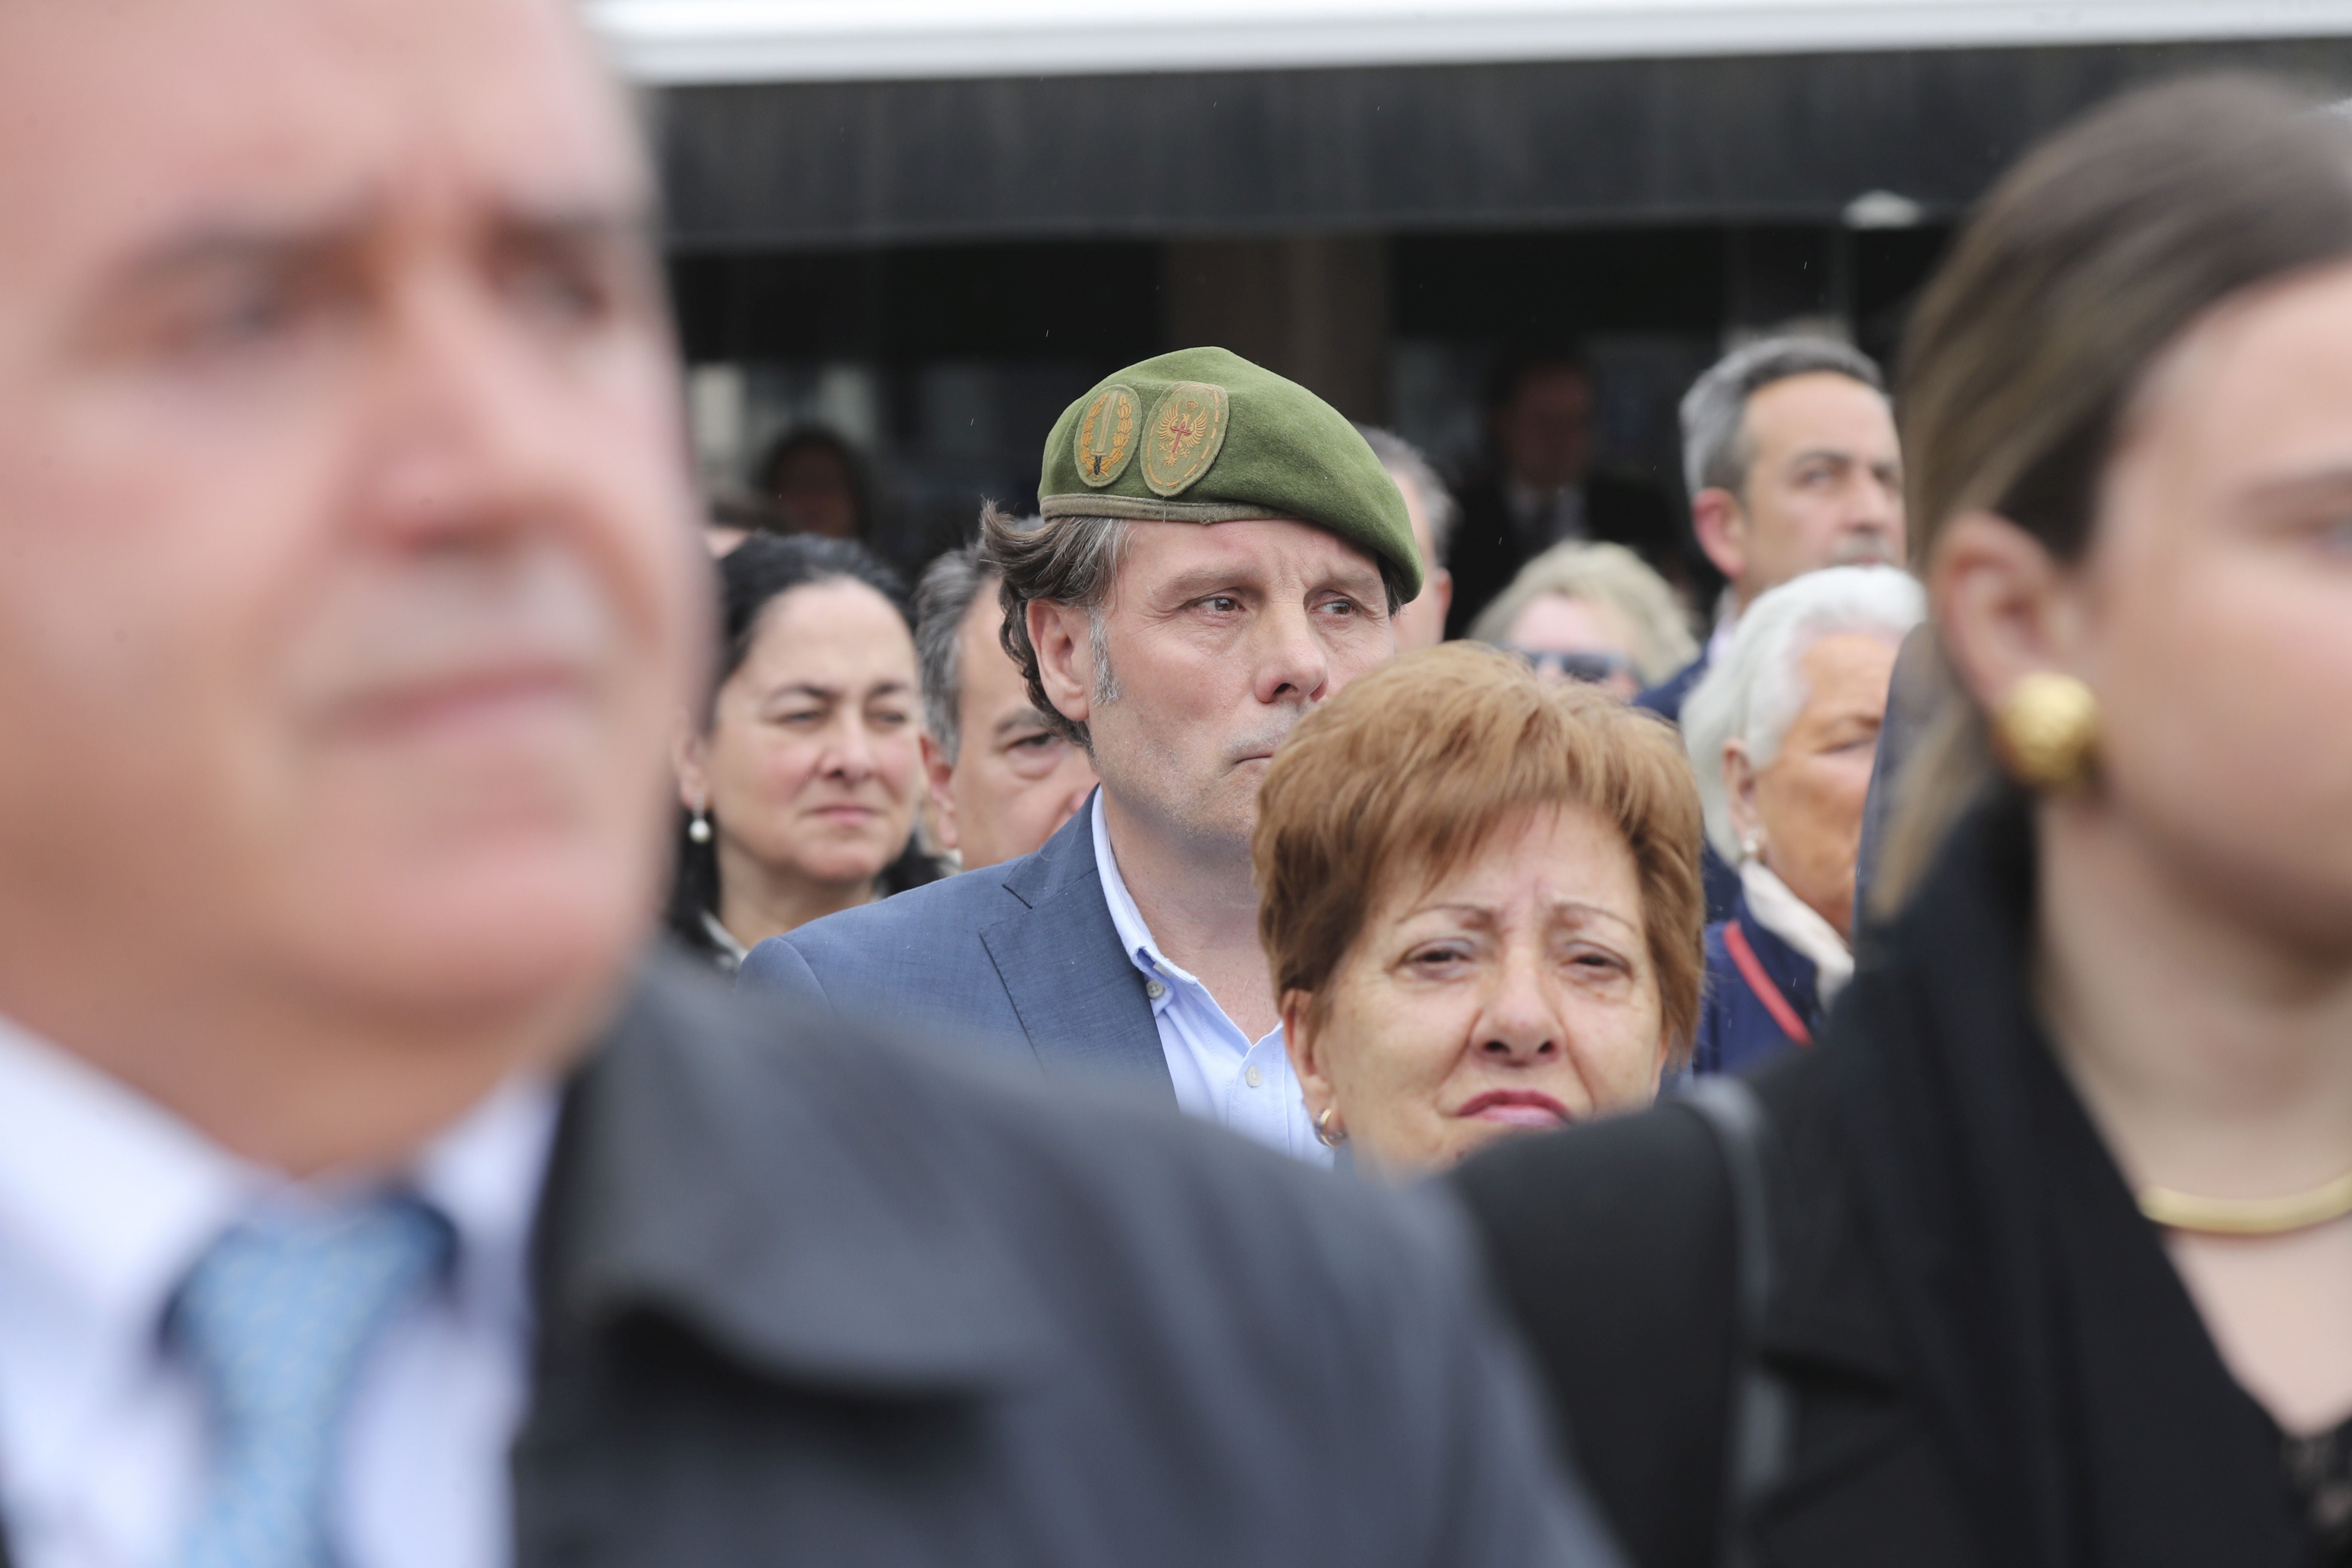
(278, 1320)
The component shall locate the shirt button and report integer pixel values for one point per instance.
(1153, 989)
(1252, 1078)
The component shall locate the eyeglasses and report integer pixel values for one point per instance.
(1595, 667)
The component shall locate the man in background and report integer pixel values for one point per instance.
(365, 1196)
(1789, 452)
(1001, 777)
(1431, 506)
(1538, 488)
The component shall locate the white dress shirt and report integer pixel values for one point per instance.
(107, 1200)
(1220, 1075)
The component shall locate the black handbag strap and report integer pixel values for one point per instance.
(1763, 1410)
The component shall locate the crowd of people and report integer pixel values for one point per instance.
(1831, 1015)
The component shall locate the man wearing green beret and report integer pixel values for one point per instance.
(1219, 551)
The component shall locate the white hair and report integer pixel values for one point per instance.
(1756, 689)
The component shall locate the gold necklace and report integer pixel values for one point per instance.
(2248, 1216)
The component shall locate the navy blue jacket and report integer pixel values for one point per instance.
(1717, 877)
(1018, 962)
(1736, 1030)
(1666, 698)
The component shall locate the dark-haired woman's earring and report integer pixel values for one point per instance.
(2047, 733)
(1323, 1133)
(699, 829)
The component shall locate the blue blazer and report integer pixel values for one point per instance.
(1019, 962)
(1665, 699)
(1736, 1030)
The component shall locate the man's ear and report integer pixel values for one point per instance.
(1441, 587)
(938, 772)
(1065, 662)
(1721, 523)
(2004, 606)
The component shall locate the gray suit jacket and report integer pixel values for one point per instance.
(1019, 962)
(805, 1299)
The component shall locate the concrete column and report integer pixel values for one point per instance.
(1312, 307)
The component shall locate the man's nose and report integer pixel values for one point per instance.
(463, 442)
(1292, 660)
(1875, 505)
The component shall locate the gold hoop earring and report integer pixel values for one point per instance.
(1323, 1133)
(2047, 733)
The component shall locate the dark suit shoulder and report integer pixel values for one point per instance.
(1612, 1245)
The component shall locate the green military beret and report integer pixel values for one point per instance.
(1204, 435)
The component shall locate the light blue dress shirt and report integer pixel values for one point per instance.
(106, 1200)
(1220, 1075)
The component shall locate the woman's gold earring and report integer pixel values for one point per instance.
(699, 828)
(2047, 733)
(1323, 1133)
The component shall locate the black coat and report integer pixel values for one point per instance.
(1991, 1358)
(807, 1299)
(1488, 547)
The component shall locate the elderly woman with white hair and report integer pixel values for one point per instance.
(1782, 733)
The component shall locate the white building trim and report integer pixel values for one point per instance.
(691, 41)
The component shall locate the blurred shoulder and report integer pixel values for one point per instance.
(1039, 1157)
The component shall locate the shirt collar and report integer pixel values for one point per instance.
(725, 939)
(1134, 936)
(115, 1197)
(1779, 910)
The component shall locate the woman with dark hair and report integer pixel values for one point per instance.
(800, 781)
(2043, 1255)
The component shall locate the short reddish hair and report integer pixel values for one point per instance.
(1412, 769)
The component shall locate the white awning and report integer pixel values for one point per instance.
(698, 41)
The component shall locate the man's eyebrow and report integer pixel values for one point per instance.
(1209, 579)
(237, 241)
(1816, 454)
(629, 223)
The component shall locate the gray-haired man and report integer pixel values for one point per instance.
(1001, 777)
(1789, 454)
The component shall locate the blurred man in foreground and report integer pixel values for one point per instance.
(1789, 449)
(1001, 777)
(350, 597)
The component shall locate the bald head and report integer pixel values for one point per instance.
(350, 585)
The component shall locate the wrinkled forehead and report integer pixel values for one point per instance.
(128, 121)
